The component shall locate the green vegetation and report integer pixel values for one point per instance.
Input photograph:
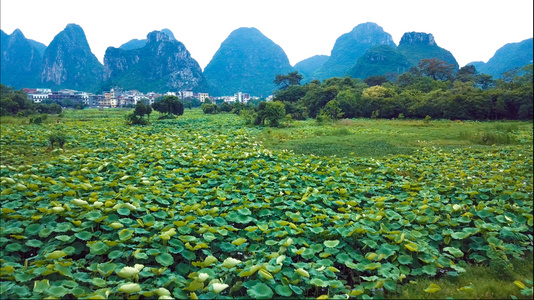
(199, 207)
(16, 103)
(431, 90)
(378, 138)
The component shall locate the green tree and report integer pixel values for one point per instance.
(274, 113)
(436, 69)
(169, 105)
(284, 81)
(331, 110)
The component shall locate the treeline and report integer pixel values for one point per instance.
(430, 89)
(16, 103)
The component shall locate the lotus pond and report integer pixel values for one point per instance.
(198, 208)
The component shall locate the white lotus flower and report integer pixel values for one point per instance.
(203, 276)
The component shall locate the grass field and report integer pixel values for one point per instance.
(377, 138)
(180, 208)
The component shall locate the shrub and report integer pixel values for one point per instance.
(274, 113)
(57, 137)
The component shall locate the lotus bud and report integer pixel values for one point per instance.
(203, 276)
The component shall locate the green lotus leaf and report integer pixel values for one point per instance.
(317, 230)
(84, 235)
(283, 290)
(125, 234)
(99, 282)
(405, 259)
(454, 251)
(99, 248)
(32, 229)
(57, 291)
(459, 235)
(331, 244)
(243, 219)
(165, 259)
(140, 255)
(45, 232)
(244, 211)
(65, 238)
(318, 282)
(13, 247)
(123, 211)
(189, 255)
(115, 254)
(34, 243)
(40, 286)
(260, 291)
(429, 269)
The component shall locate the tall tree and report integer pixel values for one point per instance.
(284, 81)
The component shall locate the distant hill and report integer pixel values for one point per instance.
(419, 45)
(247, 61)
(20, 60)
(413, 47)
(380, 60)
(509, 56)
(162, 64)
(349, 47)
(136, 44)
(308, 66)
(68, 62)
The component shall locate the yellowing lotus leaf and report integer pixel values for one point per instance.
(230, 262)
(128, 272)
(130, 288)
(219, 287)
(56, 254)
(303, 272)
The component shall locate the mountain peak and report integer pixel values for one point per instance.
(247, 61)
(157, 36)
(417, 38)
(350, 46)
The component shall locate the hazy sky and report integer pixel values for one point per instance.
(471, 29)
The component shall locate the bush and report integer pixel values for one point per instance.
(274, 113)
(248, 115)
(38, 119)
(57, 137)
(209, 108)
(132, 119)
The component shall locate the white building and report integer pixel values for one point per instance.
(37, 98)
(203, 96)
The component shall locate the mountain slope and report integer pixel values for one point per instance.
(136, 44)
(68, 62)
(308, 66)
(380, 60)
(20, 61)
(247, 61)
(416, 46)
(349, 47)
(509, 56)
(162, 64)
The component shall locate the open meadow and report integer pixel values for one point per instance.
(204, 206)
